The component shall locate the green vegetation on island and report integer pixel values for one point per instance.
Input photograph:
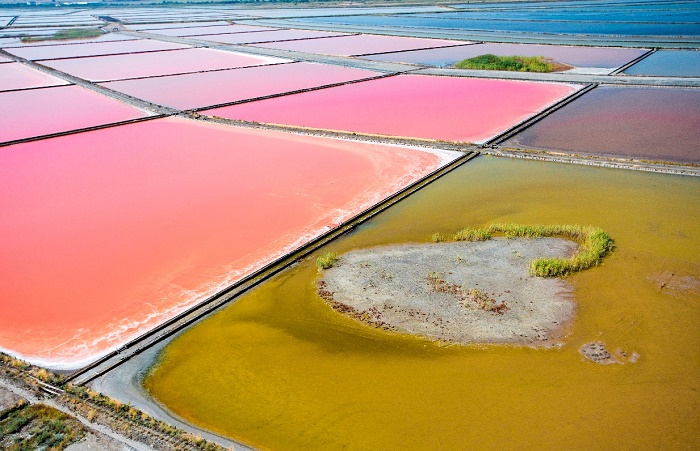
(512, 63)
(594, 243)
(63, 35)
(327, 260)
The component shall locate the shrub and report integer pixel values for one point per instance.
(327, 260)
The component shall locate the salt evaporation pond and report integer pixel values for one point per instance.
(668, 63)
(18, 76)
(118, 67)
(107, 37)
(198, 31)
(219, 87)
(599, 57)
(36, 112)
(362, 44)
(641, 123)
(162, 26)
(460, 109)
(279, 369)
(102, 48)
(108, 233)
(269, 36)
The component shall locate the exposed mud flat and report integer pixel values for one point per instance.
(392, 287)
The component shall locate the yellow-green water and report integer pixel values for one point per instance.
(279, 369)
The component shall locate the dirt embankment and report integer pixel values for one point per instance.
(461, 292)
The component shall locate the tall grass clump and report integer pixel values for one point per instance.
(594, 243)
(470, 234)
(510, 63)
(327, 260)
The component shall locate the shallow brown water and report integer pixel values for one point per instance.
(281, 370)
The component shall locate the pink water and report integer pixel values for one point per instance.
(108, 233)
(449, 108)
(362, 44)
(107, 37)
(101, 48)
(116, 67)
(577, 56)
(211, 88)
(19, 76)
(161, 26)
(25, 114)
(196, 31)
(269, 36)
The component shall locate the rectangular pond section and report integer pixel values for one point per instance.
(440, 108)
(148, 219)
(36, 112)
(585, 57)
(668, 63)
(116, 67)
(98, 49)
(197, 31)
(630, 122)
(107, 37)
(213, 88)
(18, 76)
(269, 36)
(362, 44)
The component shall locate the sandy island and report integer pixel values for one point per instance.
(460, 292)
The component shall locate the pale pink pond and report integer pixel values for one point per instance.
(195, 31)
(116, 67)
(102, 48)
(362, 44)
(19, 76)
(107, 37)
(213, 88)
(163, 26)
(36, 112)
(447, 108)
(108, 233)
(268, 36)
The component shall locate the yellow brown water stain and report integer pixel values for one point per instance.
(280, 370)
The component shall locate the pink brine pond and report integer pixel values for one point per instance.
(101, 48)
(18, 76)
(108, 233)
(218, 87)
(36, 112)
(363, 44)
(439, 108)
(117, 67)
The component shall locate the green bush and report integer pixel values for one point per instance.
(327, 260)
(509, 63)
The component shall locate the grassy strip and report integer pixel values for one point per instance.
(511, 63)
(594, 244)
(63, 35)
(98, 408)
(37, 426)
(327, 260)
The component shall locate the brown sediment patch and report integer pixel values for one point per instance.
(675, 284)
(598, 353)
(462, 292)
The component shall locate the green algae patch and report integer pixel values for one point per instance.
(66, 35)
(279, 369)
(594, 244)
(512, 63)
